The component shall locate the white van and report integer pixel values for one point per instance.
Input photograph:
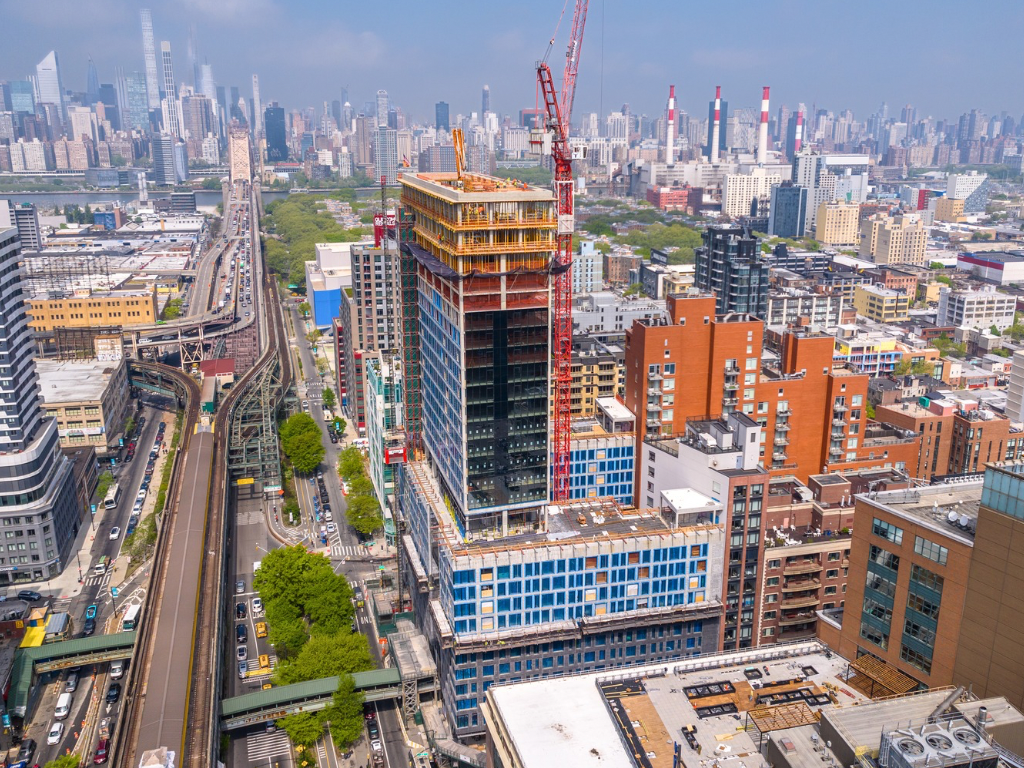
(63, 708)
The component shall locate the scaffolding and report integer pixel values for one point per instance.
(252, 448)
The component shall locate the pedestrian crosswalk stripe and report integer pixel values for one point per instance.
(262, 746)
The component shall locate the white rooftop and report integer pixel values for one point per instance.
(615, 410)
(66, 381)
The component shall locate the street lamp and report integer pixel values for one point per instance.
(78, 557)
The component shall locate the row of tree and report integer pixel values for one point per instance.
(302, 442)
(309, 612)
(363, 512)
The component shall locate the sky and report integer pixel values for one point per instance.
(943, 56)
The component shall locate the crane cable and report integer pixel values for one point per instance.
(551, 42)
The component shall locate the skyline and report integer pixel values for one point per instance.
(787, 47)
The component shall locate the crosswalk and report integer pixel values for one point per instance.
(265, 746)
(253, 666)
(346, 550)
(96, 580)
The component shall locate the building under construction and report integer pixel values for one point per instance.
(505, 586)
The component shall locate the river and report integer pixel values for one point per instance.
(44, 200)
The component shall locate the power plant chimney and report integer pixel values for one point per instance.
(762, 133)
(715, 127)
(799, 137)
(670, 137)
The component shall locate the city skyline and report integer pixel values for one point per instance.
(315, 54)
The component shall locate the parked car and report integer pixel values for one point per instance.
(28, 748)
(241, 633)
(257, 606)
(29, 596)
(242, 652)
(89, 627)
(243, 669)
(240, 611)
(239, 587)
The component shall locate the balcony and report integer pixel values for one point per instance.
(782, 427)
(731, 386)
(652, 376)
(833, 451)
(732, 368)
(840, 408)
(800, 602)
(782, 441)
(653, 423)
(805, 566)
(798, 618)
(801, 586)
(652, 406)
(654, 392)
(778, 456)
(795, 633)
(784, 413)
(838, 422)
(730, 400)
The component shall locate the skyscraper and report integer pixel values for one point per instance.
(49, 85)
(162, 152)
(170, 100)
(193, 57)
(92, 82)
(382, 107)
(274, 130)
(22, 96)
(441, 115)
(136, 114)
(729, 264)
(485, 101)
(257, 108)
(37, 485)
(385, 153)
(336, 113)
(207, 85)
(149, 52)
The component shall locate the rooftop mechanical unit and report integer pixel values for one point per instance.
(949, 743)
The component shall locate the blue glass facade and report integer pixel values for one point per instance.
(600, 470)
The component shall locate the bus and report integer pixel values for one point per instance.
(131, 618)
(113, 497)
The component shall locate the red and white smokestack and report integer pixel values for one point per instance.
(799, 136)
(762, 133)
(670, 136)
(716, 125)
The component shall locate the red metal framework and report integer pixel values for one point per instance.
(558, 111)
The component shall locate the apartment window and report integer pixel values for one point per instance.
(887, 531)
(931, 550)
(751, 363)
(926, 578)
(916, 658)
(774, 564)
(772, 581)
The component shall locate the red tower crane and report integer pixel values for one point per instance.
(555, 138)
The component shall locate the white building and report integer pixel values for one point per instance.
(604, 311)
(1015, 390)
(28, 156)
(828, 178)
(82, 122)
(788, 305)
(739, 190)
(976, 309)
(586, 269)
(959, 186)
(996, 267)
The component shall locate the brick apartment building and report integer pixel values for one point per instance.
(696, 365)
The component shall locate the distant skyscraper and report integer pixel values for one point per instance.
(234, 111)
(207, 86)
(385, 154)
(149, 52)
(136, 114)
(22, 96)
(382, 107)
(170, 100)
(729, 264)
(257, 107)
(336, 112)
(193, 57)
(162, 151)
(485, 101)
(49, 85)
(441, 116)
(92, 82)
(274, 130)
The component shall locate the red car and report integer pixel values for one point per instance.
(101, 752)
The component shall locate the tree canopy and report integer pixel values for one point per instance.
(329, 399)
(350, 463)
(302, 442)
(327, 656)
(363, 514)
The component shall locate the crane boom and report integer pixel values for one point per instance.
(558, 112)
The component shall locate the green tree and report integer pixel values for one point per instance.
(172, 310)
(303, 728)
(345, 714)
(305, 451)
(140, 545)
(634, 290)
(64, 761)
(328, 399)
(903, 367)
(994, 330)
(936, 265)
(363, 514)
(360, 486)
(870, 411)
(304, 308)
(106, 480)
(313, 336)
(287, 628)
(211, 183)
(350, 463)
(327, 656)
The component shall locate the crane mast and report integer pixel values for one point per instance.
(558, 111)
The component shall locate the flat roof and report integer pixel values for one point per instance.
(491, 188)
(67, 381)
(1000, 257)
(653, 703)
(933, 505)
(615, 410)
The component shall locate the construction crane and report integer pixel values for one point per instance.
(553, 139)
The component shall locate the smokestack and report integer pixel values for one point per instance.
(715, 126)
(799, 137)
(670, 137)
(762, 133)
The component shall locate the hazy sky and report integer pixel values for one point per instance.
(942, 56)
